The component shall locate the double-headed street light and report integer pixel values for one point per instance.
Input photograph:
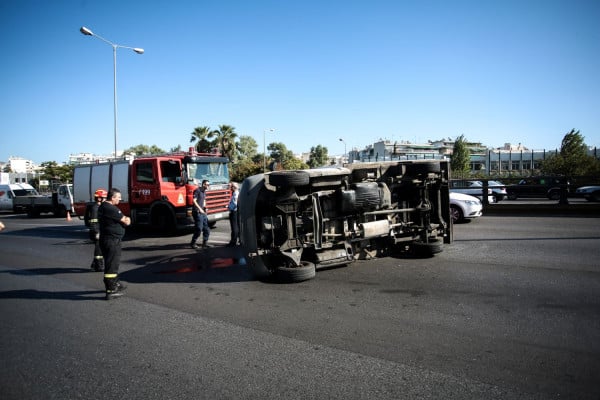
(138, 50)
(342, 140)
(265, 149)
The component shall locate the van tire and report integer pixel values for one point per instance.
(304, 272)
(426, 250)
(289, 178)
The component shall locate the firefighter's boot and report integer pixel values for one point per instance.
(98, 264)
(112, 288)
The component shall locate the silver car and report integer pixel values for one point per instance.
(590, 193)
(498, 190)
(464, 207)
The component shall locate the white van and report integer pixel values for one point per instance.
(10, 191)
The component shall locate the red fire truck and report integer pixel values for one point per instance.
(157, 190)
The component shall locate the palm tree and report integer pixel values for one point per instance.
(202, 134)
(225, 138)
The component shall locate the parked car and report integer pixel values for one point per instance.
(473, 188)
(498, 189)
(538, 186)
(464, 207)
(590, 193)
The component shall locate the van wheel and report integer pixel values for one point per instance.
(423, 168)
(304, 272)
(422, 249)
(289, 178)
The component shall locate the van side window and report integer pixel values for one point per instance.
(143, 172)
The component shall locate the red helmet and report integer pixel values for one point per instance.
(101, 193)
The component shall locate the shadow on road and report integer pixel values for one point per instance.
(47, 271)
(45, 295)
(213, 265)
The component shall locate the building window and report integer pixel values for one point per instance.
(477, 166)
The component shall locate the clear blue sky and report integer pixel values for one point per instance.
(520, 71)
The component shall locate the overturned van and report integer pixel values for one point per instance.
(295, 222)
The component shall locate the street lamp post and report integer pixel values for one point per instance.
(115, 46)
(265, 149)
(342, 140)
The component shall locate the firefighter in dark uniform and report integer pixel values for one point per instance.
(91, 215)
(112, 228)
(201, 226)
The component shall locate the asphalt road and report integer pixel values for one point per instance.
(510, 310)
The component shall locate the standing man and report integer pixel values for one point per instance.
(91, 215)
(200, 216)
(112, 228)
(233, 214)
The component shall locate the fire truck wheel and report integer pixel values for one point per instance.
(304, 272)
(421, 249)
(288, 178)
(163, 222)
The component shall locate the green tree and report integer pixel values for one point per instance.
(247, 161)
(461, 156)
(142, 149)
(283, 158)
(225, 140)
(201, 136)
(294, 163)
(279, 154)
(572, 159)
(318, 156)
(247, 147)
(245, 168)
(57, 173)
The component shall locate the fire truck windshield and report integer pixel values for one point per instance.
(215, 172)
